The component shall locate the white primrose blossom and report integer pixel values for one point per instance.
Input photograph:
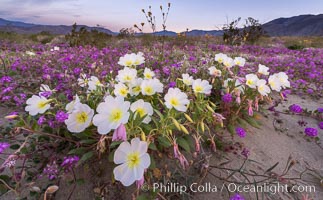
(111, 113)
(80, 118)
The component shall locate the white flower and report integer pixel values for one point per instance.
(139, 58)
(94, 82)
(83, 80)
(187, 79)
(263, 89)
(129, 60)
(37, 104)
(262, 69)
(111, 113)
(251, 80)
(283, 78)
(142, 108)
(133, 159)
(239, 61)
(135, 87)
(80, 118)
(55, 48)
(220, 57)
(121, 89)
(215, 72)
(228, 62)
(126, 75)
(45, 89)
(274, 83)
(70, 106)
(151, 86)
(177, 99)
(148, 74)
(201, 86)
(30, 53)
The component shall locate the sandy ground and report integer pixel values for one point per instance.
(267, 147)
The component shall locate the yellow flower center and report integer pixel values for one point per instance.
(186, 81)
(128, 63)
(272, 83)
(261, 88)
(97, 82)
(174, 101)
(81, 117)
(136, 89)
(116, 115)
(249, 82)
(137, 62)
(148, 75)
(141, 112)
(127, 78)
(41, 104)
(148, 90)
(133, 159)
(198, 88)
(123, 92)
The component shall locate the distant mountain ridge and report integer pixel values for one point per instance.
(302, 25)
(27, 28)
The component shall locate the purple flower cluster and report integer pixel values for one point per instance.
(312, 132)
(321, 125)
(227, 98)
(172, 84)
(46, 94)
(3, 146)
(237, 197)
(41, 120)
(295, 108)
(69, 162)
(51, 170)
(61, 116)
(320, 110)
(240, 132)
(245, 152)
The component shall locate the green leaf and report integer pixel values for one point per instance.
(231, 129)
(15, 146)
(115, 144)
(80, 181)
(78, 151)
(111, 156)
(152, 146)
(252, 122)
(164, 141)
(184, 144)
(242, 122)
(87, 156)
(152, 162)
(161, 116)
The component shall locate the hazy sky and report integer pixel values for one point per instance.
(117, 14)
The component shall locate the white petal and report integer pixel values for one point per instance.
(120, 155)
